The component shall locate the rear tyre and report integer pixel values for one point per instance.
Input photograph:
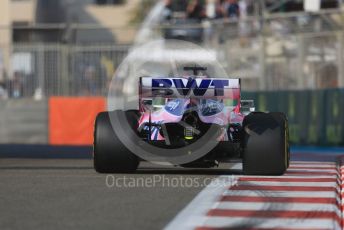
(266, 144)
(109, 153)
(283, 118)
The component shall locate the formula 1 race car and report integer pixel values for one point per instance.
(194, 122)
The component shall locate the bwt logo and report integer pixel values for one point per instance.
(167, 87)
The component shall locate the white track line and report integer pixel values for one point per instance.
(279, 193)
(289, 184)
(270, 223)
(258, 206)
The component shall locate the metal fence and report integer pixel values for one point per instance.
(274, 52)
(42, 70)
(285, 51)
(301, 61)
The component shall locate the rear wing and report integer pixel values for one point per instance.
(199, 88)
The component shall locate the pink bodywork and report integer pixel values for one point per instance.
(163, 116)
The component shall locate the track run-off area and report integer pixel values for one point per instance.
(42, 193)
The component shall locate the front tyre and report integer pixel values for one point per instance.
(109, 153)
(266, 144)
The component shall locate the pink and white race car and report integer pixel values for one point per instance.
(191, 121)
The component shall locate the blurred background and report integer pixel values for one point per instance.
(57, 58)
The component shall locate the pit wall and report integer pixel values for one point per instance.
(57, 121)
(315, 117)
(23, 121)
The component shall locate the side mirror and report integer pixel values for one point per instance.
(153, 103)
(247, 106)
(147, 104)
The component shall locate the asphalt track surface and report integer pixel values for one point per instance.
(68, 194)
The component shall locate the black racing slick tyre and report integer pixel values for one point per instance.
(266, 144)
(283, 118)
(110, 155)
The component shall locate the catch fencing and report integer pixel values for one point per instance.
(301, 61)
(41, 71)
(273, 52)
(284, 51)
